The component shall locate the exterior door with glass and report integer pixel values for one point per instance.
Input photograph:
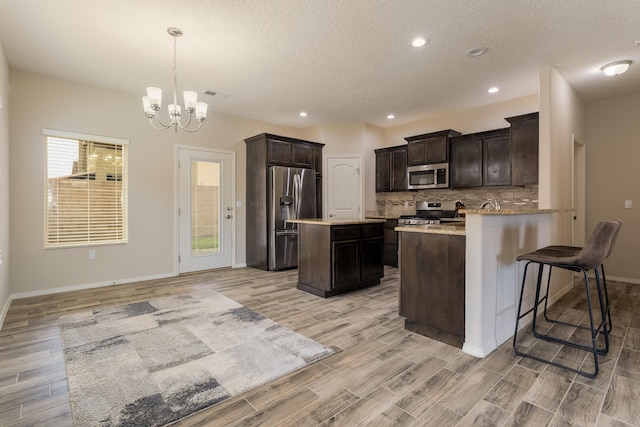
(205, 211)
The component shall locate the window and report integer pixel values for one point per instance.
(86, 189)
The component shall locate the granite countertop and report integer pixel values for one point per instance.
(383, 216)
(453, 229)
(511, 211)
(335, 221)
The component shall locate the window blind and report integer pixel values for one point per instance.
(86, 191)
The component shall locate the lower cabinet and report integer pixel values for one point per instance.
(390, 254)
(333, 259)
(432, 285)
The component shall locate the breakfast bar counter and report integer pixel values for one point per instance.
(459, 281)
(494, 238)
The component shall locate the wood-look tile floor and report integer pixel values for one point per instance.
(381, 375)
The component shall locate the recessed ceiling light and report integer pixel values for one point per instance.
(419, 41)
(303, 114)
(390, 116)
(616, 68)
(478, 51)
(493, 89)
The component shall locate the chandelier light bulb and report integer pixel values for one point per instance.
(201, 111)
(190, 99)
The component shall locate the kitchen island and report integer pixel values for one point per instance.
(339, 255)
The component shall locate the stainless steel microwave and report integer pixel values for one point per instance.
(428, 176)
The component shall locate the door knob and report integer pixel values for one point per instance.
(229, 216)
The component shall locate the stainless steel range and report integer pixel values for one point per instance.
(429, 212)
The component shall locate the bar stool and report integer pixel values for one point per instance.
(579, 260)
(574, 250)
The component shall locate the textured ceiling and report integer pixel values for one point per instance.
(341, 61)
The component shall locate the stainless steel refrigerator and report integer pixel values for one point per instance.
(292, 195)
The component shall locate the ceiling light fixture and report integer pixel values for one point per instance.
(418, 42)
(391, 116)
(616, 68)
(303, 114)
(493, 89)
(153, 101)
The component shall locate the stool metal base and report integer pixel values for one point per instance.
(604, 327)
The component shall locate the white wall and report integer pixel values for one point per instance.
(613, 152)
(41, 102)
(561, 117)
(4, 186)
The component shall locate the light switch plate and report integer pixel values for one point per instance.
(628, 204)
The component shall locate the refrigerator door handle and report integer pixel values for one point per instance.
(296, 196)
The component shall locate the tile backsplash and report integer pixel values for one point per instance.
(404, 202)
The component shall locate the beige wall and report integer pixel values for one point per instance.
(613, 175)
(4, 186)
(75, 107)
(374, 138)
(561, 117)
(480, 119)
(41, 102)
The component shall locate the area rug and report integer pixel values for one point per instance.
(153, 362)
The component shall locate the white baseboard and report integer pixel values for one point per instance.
(623, 279)
(5, 310)
(53, 291)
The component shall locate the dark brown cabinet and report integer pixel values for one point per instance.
(266, 150)
(429, 148)
(496, 165)
(390, 254)
(432, 285)
(391, 169)
(333, 259)
(524, 149)
(481, 159)
(466, 162)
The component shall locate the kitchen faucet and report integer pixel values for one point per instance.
(491, 202)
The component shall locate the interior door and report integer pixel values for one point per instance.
(205, 209)
(344, 187)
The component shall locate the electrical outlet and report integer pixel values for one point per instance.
(628, 204)
(92, 254)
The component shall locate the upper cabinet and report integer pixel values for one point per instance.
(391, 169)
(481, 159)
(285, 151)
(429, 148)
(524, 149)
(466, 161)
(498, 157)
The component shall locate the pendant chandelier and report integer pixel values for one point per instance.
(153, 101)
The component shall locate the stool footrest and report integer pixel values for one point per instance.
(559, 365)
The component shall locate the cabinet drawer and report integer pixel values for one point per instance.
(345, 232)
(373, 230)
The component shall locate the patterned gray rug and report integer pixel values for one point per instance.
(154, 362)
